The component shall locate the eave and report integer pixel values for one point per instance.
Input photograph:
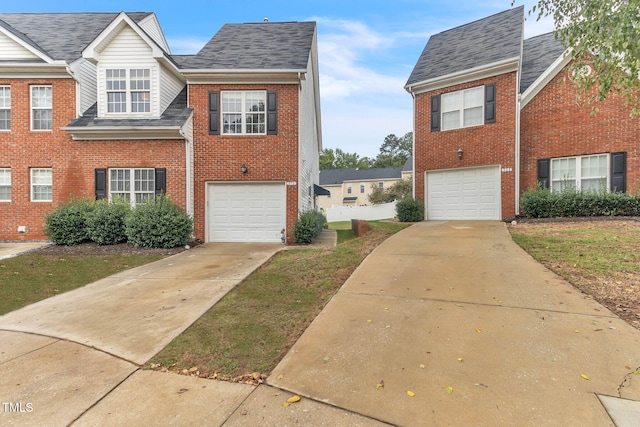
(22, 70)
(465, 76)
(210, 76)
(95, 133)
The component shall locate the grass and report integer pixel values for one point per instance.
(255, 324)
(343, 229)
(32, 277)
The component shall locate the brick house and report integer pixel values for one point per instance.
(496, 114)
(232, 134)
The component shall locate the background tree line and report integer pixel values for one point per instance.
(394, 152)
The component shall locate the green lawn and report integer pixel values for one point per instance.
(31, 277)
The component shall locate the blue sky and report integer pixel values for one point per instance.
(367, 49)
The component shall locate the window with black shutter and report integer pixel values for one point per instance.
(544, 172)
(619, 172)
(214, 113)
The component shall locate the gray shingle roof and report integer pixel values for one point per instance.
(62, 36)
(539, 54)
(175, 115)
(338, 176)
(478, 43)
(256, 46)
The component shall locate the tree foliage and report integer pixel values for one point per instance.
(398, 191)
(602, 34)
(338, 159)
(394, 151)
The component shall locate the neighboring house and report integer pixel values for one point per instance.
(352, 186)
(495, 115)
(94, 105)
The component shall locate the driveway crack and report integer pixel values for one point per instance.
(626, 382)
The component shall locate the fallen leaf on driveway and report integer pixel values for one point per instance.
(380, 385)
(293, 399)
(410, 393)
(585, 377)
(449, 390)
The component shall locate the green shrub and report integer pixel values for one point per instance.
(67, 225)
(158, 223)
(308, 226)
(410, 210)
(544, 203)
(106, 222)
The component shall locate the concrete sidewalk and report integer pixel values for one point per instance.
(478, 332)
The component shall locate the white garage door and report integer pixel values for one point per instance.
(464, 194)
(252, 212)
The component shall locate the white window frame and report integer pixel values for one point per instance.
(575, 180)
(362, 189)
(5, 108)
(130, 184)
(462, 105)
(349, 189)
(134, 91)
(234, 106)
(381, 185)
(5, 183)
(48, 106)
(41, 179)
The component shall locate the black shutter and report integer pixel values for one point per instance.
(490, 103)
(214, 113)
(272, 112)
(161, 182)
(101, 183)
(619, 172)
(435, 113)
(544, 172)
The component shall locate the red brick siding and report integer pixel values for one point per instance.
(555, 124)
(268, 157)
(72, 162)
(489, 144)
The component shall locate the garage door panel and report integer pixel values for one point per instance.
(245, 212)
(464, 194)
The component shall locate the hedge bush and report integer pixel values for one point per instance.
(67, 225)
(308, 226)
(158, 223)
(410, 210)
(544, 203)
(106, 222)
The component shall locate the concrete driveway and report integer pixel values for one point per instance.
(451, 323)
(63, 355)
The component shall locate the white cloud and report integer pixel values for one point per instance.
(183, 46)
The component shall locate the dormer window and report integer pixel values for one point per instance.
(128, 90)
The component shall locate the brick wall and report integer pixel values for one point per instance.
(555, 124)
(268, 157)
(72, 162)
(489, 144)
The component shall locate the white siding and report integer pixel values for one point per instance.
(9, 49)
(151, 26)
(309, 143)
(187, 130)
(170, 87)
(128, 50)
(85, 73)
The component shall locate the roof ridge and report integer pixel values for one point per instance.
(481, 19)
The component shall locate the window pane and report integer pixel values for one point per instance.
(232, 102)
(116, 102)
(232, 123)
(5, 184)
(117, 79)
(451, 120)
(42, 119)
(140, 102)
(41, 185)
(563, 174)
(593, 171)
(41, 97)
(474, 97)
(473, 116)
(452, 101)
(5, 119)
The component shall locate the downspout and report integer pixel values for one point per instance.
(517, 140)
(413, 146)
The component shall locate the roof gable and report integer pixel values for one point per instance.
(16, 46)
(73, 31)
(256, 46)
(484, 42)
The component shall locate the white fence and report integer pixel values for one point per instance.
(347, 213)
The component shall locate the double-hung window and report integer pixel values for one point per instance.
(584, 173)
(134, 185)
(463, 108)
(361, 188)
(41, 108)
(5, 107)
(244, 112)
(41, 185)
(5, 184)
(128, 90)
